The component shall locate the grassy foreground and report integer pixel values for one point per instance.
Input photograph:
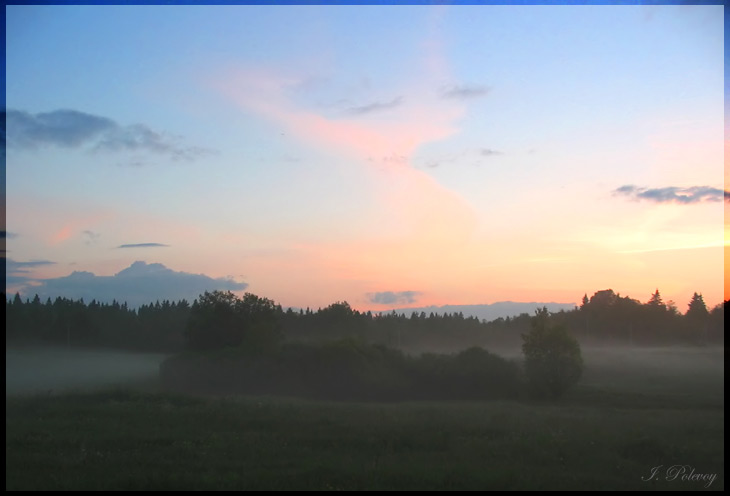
(131, 440)
(633, 411)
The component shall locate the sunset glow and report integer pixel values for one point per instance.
(313, 154)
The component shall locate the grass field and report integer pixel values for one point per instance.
(632, 413)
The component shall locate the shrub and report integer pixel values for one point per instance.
(346, 369)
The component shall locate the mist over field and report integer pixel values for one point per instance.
(684, 370)
(115, 426)
(55, 370)
(677, 371)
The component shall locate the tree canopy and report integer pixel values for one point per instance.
(221, 319)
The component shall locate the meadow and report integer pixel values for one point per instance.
(641, 419)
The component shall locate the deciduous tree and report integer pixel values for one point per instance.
(553, 361)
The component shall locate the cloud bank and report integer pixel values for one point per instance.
(140, 283)
(391, 297)
(74, 129)
(671, 194)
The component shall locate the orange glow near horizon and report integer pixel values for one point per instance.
(453, 155)
(726, 275)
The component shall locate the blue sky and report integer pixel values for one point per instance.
(463, 154)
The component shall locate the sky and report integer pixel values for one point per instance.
(387, 156)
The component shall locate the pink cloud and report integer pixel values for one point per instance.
(386, 142)
(406, 127)
(62, 235)
(424, 230)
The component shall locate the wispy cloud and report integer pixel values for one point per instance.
(91, 237)
(672, 194)
(13, 266)
(467, 155)
(139, 137)
(392, 158)
(138, 284)
(718, 244)
(143, 245)
(375, 107)
(464, 91)
(74, 129)
(18, 272)
(391, 297)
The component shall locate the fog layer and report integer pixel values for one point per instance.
(52, 370)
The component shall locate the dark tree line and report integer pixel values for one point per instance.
(608, 316)
(221, 319)
(154, 327)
